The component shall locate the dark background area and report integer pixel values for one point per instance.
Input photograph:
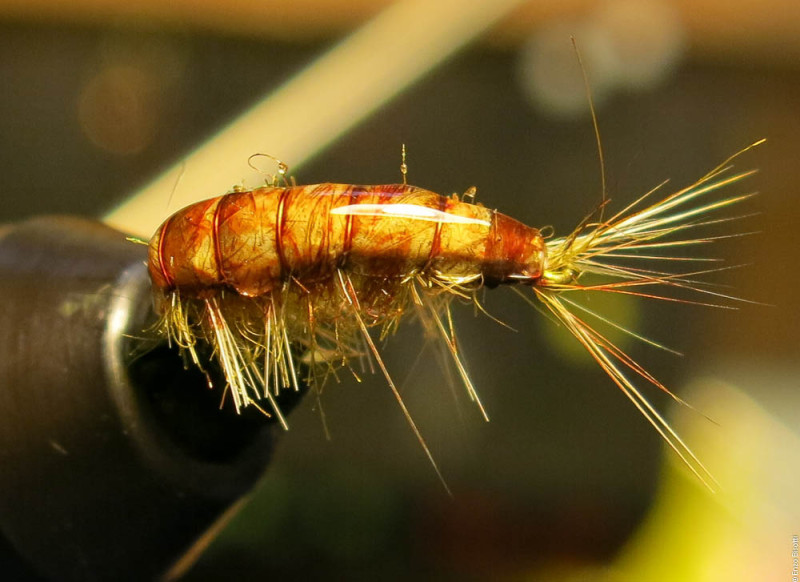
(566, 468)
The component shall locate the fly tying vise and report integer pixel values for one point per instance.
(285, 282)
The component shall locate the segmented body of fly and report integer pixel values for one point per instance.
(276, 277)
(254, 241)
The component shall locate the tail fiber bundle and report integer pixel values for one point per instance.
(635, 253)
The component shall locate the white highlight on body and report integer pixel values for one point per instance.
(412, 211)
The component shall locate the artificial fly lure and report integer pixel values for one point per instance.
(285, 282)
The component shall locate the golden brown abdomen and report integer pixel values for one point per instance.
(253, 241)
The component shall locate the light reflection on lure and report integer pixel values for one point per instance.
(263, 273)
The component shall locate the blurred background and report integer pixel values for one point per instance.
(567, 481)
